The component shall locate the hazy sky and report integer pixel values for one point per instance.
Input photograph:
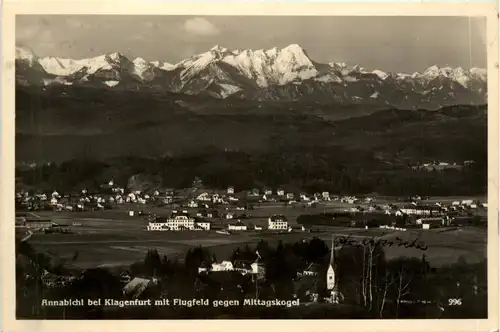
(403, 44)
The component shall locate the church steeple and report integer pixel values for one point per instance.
(331, 277)
(330, 274)
(332, 253)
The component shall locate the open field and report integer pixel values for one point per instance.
(112, 237)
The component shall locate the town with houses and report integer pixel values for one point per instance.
(199, 210)
(229, 212)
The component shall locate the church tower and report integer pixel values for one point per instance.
(331, 278)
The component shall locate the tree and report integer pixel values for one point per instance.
(152, 262)
(316, 249)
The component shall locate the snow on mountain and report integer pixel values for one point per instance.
(163, 65)
(228, 89)
(61, 66)
(292, 63)
(265, 74)
(140, 67)
(65, 67)
(111, 83)
(265, 67)
(380, 74)
(478, 73)
(430, 73)
(26, 55)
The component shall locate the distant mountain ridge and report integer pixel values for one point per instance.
(286, 74)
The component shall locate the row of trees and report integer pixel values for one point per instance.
(312, 170)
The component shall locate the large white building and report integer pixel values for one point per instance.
(178, 221)
(277, 222)
(420, 210)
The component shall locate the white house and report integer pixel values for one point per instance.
(192, 204)
(455, 203)
(223, 266)
(204, 197)
(229, 215)
(303, 197)
(158, 226)
(467, 202)
(216, 198)
(203, 224)
(325, 195)
(312, 270)
(280, 192)
(239, 226)
(290, 195)
(230, 190)
(56, 194)
(277, 222)
(430, 221)
(268, 192)
(53, 201)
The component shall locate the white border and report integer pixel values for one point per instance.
(11, 8)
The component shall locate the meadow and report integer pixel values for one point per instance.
(113, 238)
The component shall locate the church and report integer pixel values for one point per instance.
(331, 277)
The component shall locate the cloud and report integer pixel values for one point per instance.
(200, 27)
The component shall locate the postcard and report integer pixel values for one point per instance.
(224, 166)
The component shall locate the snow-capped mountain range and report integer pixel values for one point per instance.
(286, 74)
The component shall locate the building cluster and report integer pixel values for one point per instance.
(443, 165)
(179, 221)
(256, 268)
(86, 200)
(183, 221)
(312, 280)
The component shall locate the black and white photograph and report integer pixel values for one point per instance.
(185, 167)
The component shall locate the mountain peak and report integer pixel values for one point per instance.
(432, 69)
(140, 60)
(218, 48)
(294, 47)
(382, 75)
(24, 53)
(114, 56)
